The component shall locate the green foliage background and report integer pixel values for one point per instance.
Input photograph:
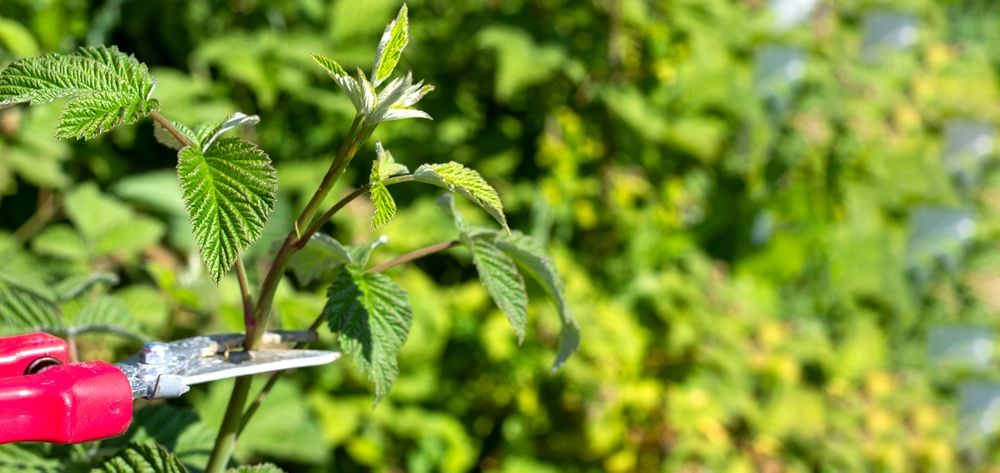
(750, 292)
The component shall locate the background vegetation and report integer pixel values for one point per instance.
(778, 233)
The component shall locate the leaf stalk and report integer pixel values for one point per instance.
(181, 137)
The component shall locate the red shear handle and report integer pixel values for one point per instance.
(17, 353)
(65, 404)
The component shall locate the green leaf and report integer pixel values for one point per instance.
(331, 66)
(142, 458)
(385, 206)
(60, 241)
(23, 310)
(502, 280)
(207, 133)
(229, 192)
(261, 468)
(88, 116)
(105, 314)
(27, 457)
(390, 47)
(109, 226)
(529, 255)
(496, 271)
(457, 178)
(361, 253)
(321, 255)
(385, 166)
(395, 101)
(94, 213)
(178, 430)
(156, 190)
(107, 88)
(360, 94)
(367, 91)
(372, 315)
(129, 238)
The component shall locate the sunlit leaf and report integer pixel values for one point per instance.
(106, 88)
(390, 47)
(385, 166)
(331, 66)
(457, 178)
(385, 206)
(207, 133)
(229, 192)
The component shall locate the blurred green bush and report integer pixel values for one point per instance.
(761, 223)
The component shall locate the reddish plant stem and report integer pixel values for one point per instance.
(415, 254)
(241, 275)
(181, 137)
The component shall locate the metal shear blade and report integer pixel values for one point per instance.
(165, 370)
(255, 362)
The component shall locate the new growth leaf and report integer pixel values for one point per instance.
(205, 134)
(394, 39)
(384, 167)
(396, 99)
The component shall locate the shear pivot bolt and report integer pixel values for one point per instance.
(154, 353)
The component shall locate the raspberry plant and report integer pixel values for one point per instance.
(229, 191)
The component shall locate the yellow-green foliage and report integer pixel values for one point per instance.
(738, 267)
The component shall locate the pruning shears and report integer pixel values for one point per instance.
(45, 398)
